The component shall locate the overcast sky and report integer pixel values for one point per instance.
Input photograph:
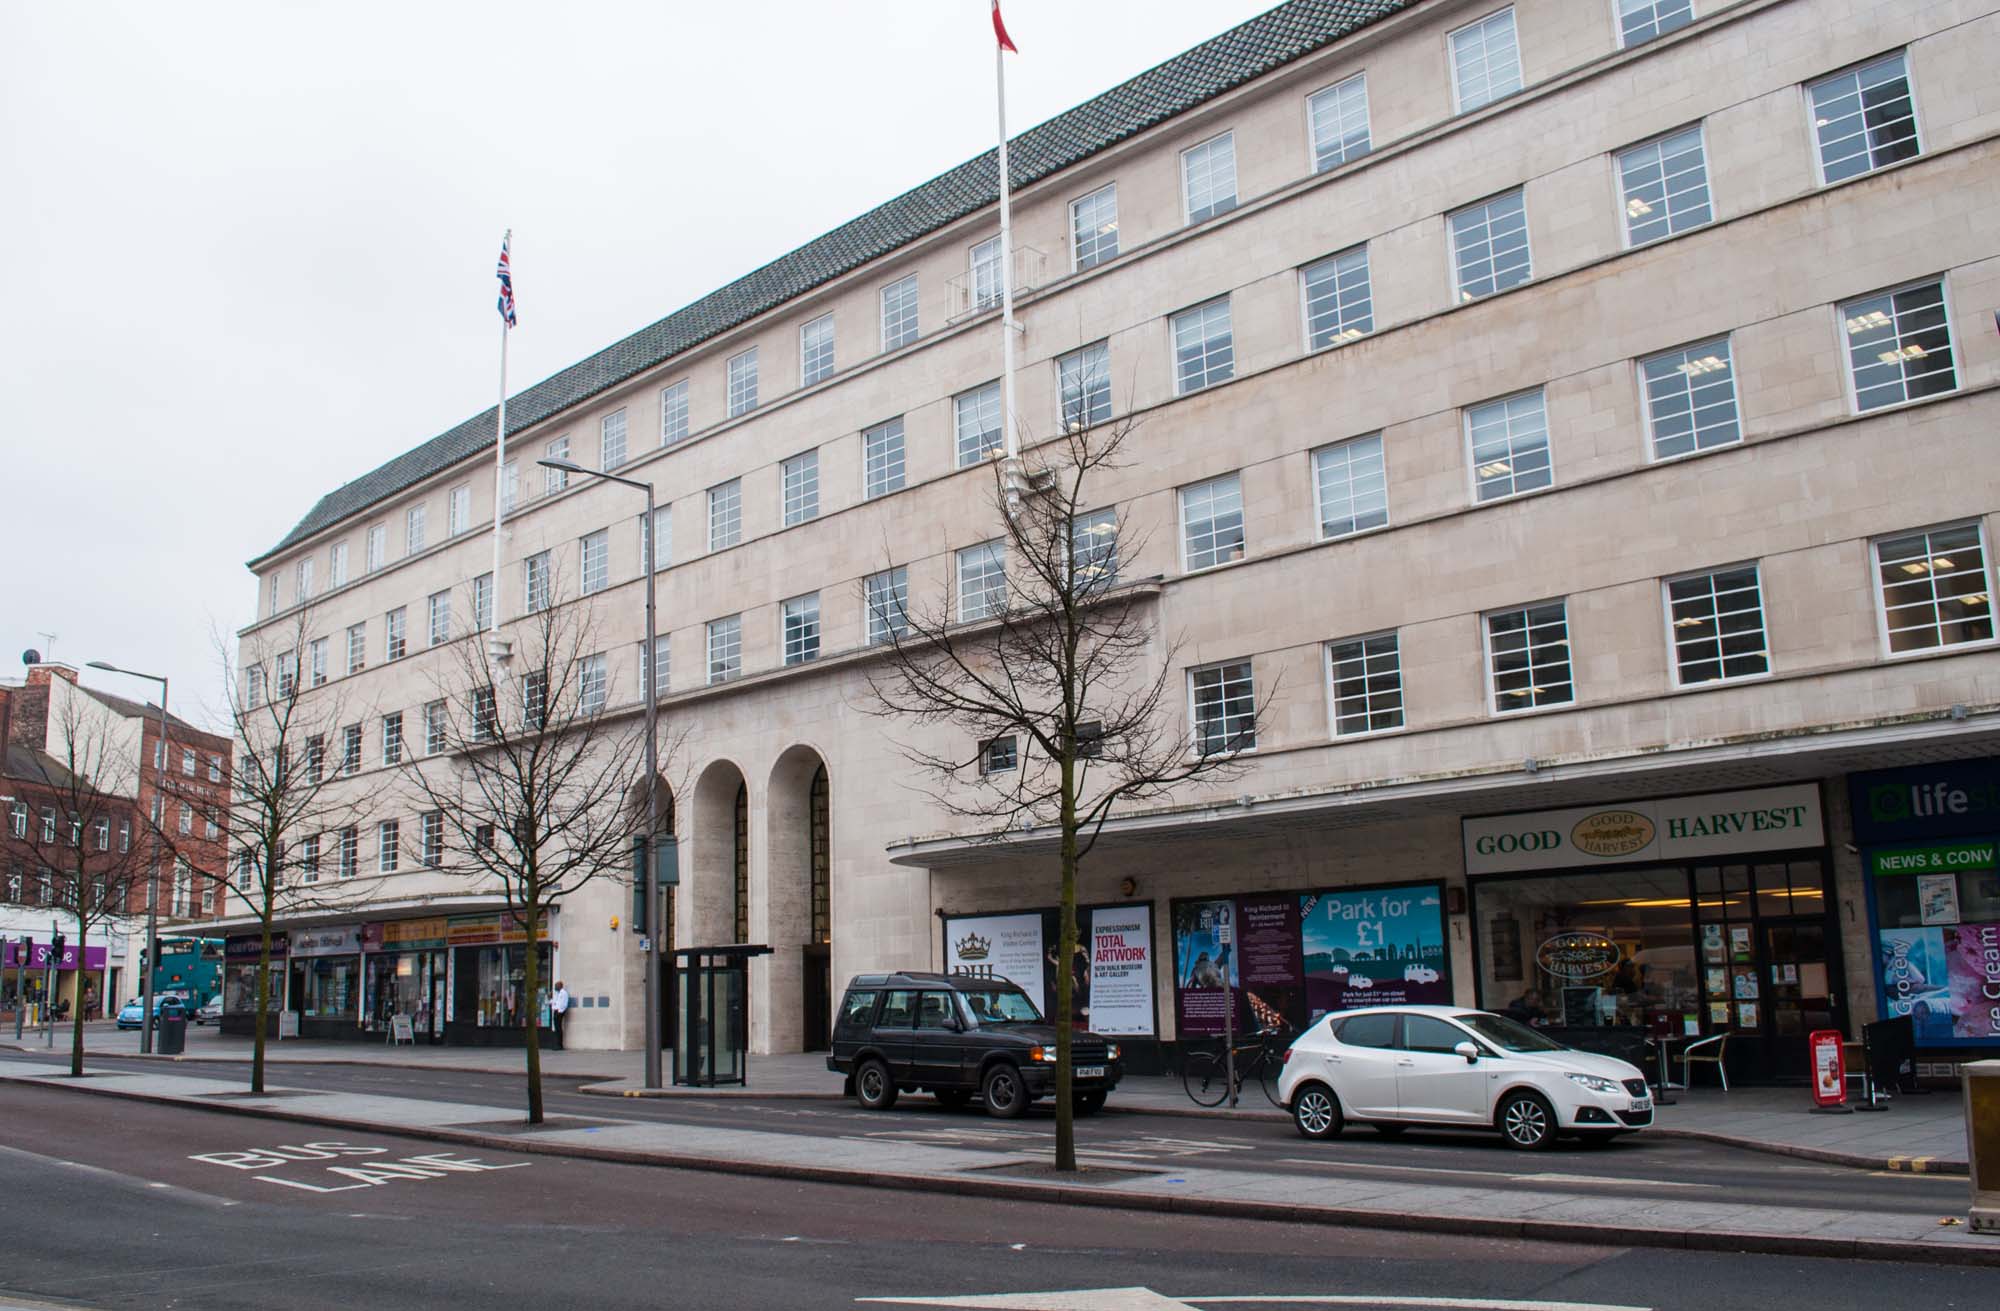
(249, 247)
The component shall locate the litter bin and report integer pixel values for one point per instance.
(173, 1031)
(1982, 1140)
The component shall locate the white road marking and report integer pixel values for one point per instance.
(1145, 1299)
(1600, 1180)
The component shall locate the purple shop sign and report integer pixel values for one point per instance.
(38, 956)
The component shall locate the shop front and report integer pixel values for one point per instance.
(1929, 835)
(1699, 921)
(487, 1002)
(325, 976)
(406, 978)
(1111, 973)
(79, 976)
(239, 983)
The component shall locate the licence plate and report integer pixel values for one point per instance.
(1643, 1104)
(1090, 1071)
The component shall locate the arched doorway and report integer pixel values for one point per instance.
(798, 886)
(741, 842)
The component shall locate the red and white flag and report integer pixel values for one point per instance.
(1000, 30)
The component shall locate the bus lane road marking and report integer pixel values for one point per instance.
(342, 1175)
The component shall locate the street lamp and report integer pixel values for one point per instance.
(159, 858)
(655, 921)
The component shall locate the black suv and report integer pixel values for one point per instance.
(955, 1036)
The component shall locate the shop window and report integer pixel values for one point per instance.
(1636, 922)
(498, 983)
(328, 987)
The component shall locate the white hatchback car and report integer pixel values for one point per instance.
(1445, 1067)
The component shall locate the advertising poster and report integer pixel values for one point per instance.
(1972, 966)
(1711, 944)
(1911, 965)
(1373, 947)
(1274, 985)
(999, 947)
(1937, 898)
(1121, 970)
(1204, 961)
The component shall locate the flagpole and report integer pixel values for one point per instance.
(495, 645)
(1011, 442)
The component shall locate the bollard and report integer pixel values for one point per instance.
(1982, 1142)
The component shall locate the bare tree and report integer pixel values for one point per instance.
(284, 800)
(529, 780)
(1065, 657)
(80, 813)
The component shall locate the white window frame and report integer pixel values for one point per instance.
(1840, 316)
(1335, 89)
(1076, 208)
(395, 634)
(1347, 333)
(378, 546)
(983, 282)
(303, 584)
(593, 683)
(816, 340)
(416, 528)
(1812, 114)
(437, 727)
(613, 426)
(663, 654)
(741, 370)
(989, 553)
(1320, 534)
(1459, 295)
(1181, 518)
(977, 401)
(537, 582)
(891, 585)
(1618, 23)
(1181, 383)
(661, 535)
(593, 556)
(987, 765)
(803, 646)
(729, 630)
(1625, 215)
(1333, 694)
(1195, 733)
(1471, 461)
(458, 509)
(798, 479)
(510, 485)
(437, 617)
(393, 746)
(1978, 525)
(1458, 105)
(1187, 191)
(913, 319)
(336, 565)
(482, 602)
(878, 437)
(1653, 455)
(357, 647)
(388, 847)
(1079, 363)
(725, 515)
(675, 415)
(555, 480)
(1673, 642)
(1486, 650)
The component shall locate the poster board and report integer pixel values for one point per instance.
(1113, 978)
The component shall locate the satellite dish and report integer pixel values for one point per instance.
(31, 656)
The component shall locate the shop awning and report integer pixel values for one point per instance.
(1531, 785)
(391, 909)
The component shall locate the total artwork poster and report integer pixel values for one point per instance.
(1121, 970)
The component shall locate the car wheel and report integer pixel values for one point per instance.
(1090, 1103)
(1006, 1096)
(1527, 1122)
(874, 1086)
(1316, 1111)
(1390, 1130)
(952, 1098)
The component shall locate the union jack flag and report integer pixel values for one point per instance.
(505, 272)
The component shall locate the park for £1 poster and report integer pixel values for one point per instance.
(1374, 947)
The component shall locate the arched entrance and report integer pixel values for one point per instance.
(716, 855)
(799, 891)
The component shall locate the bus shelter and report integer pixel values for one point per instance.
(712, 1015)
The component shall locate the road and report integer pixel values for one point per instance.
(115, 1204)
(1671, 1169)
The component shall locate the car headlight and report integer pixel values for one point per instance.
(1046, 1055)
(1596, 1083)
(1111, 1052)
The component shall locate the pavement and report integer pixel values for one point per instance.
(1921, 1132)
(1561, 1209)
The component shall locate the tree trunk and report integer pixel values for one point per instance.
(532, 984)
(263, 1002)
(76, 1033)
(1065, 973)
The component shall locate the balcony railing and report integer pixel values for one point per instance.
(977, 290)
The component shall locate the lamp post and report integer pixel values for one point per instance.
(159, 858)
(655, 921)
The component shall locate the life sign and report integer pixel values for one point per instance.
(1705, 825)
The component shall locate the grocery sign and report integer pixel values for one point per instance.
(1699, 827)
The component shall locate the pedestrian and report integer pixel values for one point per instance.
(558, 1007)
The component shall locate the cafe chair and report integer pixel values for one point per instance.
(1709, 1051)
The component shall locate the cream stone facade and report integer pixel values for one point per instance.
(1813, 483)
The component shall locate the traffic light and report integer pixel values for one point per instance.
(639, 897)
(56, 947)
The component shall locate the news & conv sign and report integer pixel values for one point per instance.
(1666, 829)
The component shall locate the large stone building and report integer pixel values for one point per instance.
(1574, 420)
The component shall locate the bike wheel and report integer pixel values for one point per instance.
(1268, 1071)
(1206, 1080)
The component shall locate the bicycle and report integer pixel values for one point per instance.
(1260, 1056)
